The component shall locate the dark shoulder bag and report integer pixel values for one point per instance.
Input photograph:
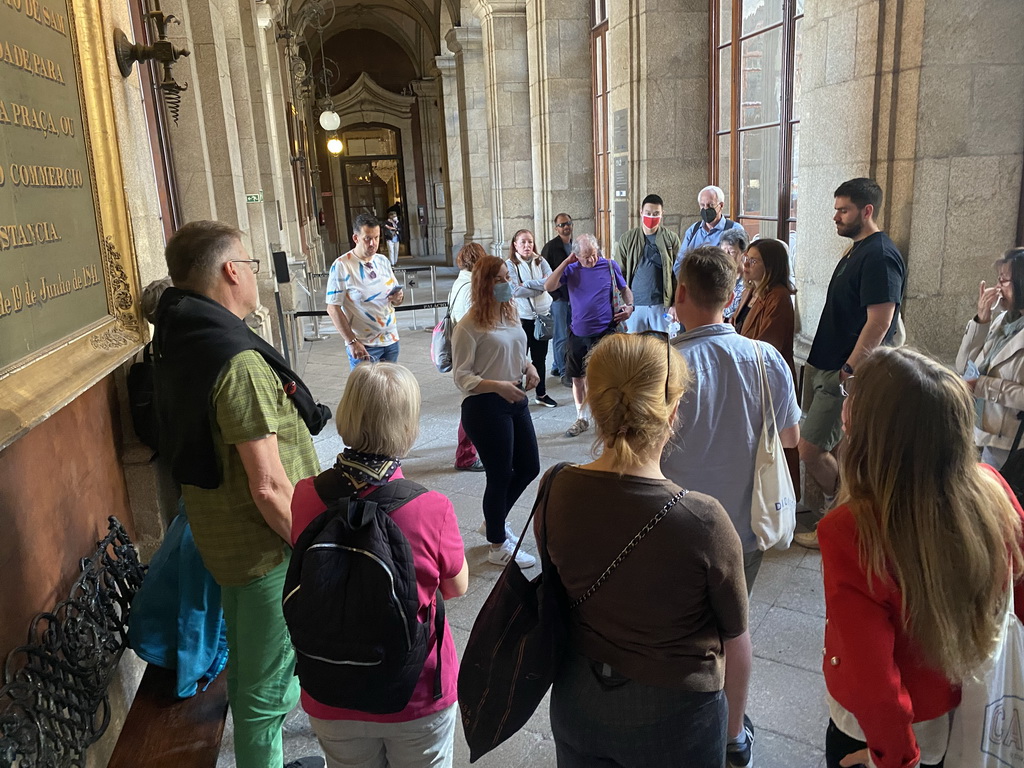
(1013, 468)
(515, 646)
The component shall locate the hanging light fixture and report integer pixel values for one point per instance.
(334, 145)
(330, 120)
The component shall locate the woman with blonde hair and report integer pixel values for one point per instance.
(916, 560)
(490, 367)
(642, 682)
(460, 299)
(528, 271)
(378, 418)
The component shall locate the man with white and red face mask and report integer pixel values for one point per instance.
(645, 256)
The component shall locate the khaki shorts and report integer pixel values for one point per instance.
(822, 424)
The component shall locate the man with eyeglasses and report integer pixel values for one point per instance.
(713, 222)
(861, 312)
(555, 251)
(362, 294)
(644, 254)
(235, 424)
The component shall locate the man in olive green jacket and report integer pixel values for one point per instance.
(645, 256)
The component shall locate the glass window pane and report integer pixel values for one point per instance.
(758, 14)
(799, 10)
(599, 72)
(724, 21)
(797, 66)
(761, 79)
(760, 228)
(725, 166)
(759, 172)
(725, 89)
(794, 187)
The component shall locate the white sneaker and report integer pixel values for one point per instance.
(503, 554)
(482, 530)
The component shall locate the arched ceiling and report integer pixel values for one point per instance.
(366, 50)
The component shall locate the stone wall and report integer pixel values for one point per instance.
(928, 99)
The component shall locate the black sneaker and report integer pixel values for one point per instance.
(313, 761)
(742, 755)
(476, 466)
(546, 401)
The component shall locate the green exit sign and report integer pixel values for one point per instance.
(257, 198)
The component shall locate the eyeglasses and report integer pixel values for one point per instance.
(1003, 280)
(846, 387)
(564, 224)
(751, 261)
(254, 264)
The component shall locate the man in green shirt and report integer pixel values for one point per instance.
(237, 443)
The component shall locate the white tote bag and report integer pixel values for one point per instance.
(988, 726)
(773, 503)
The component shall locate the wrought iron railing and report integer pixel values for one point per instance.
(53, 703)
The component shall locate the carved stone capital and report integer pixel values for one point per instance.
(465, 39)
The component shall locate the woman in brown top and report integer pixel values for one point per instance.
(642, 683)
(766, 309)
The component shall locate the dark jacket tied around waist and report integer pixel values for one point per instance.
(195, 337)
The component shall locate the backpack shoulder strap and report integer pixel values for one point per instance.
(395, 494)
(729, 224)
(692, 230)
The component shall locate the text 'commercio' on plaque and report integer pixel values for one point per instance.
(51, 269)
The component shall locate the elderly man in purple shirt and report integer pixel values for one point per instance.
(595, 312)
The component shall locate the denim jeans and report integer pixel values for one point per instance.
(388, 354)
(504, 438)
(562, 313)
(620, 723)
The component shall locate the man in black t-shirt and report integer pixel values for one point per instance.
(861, 312)
(555, 251)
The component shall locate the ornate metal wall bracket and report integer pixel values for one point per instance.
(53, 703)
(162, 51)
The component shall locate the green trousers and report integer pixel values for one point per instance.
(262, 687)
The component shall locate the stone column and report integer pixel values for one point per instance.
(455, 189)
(428, 104)
(214, 77)
(503, 23)
(939, 125)
(658, 72)
(467, 45)
(561, 109)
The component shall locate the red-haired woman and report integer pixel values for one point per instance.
(490, 366)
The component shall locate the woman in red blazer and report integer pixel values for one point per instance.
(915, 559)
(766, 309)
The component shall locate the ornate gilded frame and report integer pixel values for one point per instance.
(47, 380)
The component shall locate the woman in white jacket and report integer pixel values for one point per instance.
(527, 271)
(992, 358)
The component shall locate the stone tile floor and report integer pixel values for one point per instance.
(787, 691)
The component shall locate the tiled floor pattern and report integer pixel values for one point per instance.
(786, 613)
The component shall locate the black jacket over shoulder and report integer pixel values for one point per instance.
(195, 337)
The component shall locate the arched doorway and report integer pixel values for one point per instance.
(373, 173)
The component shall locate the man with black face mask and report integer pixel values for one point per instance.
(713, 222)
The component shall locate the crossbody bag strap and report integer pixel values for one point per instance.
(1020, 433)
(627, 549)
(528, 298)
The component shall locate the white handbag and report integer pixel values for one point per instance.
(986, 730)
(773, 503)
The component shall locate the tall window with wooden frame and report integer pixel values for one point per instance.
(602, 158)
(755, 124)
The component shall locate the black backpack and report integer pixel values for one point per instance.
(141, 399)
(351, 603)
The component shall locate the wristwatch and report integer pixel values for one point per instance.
(847, 369)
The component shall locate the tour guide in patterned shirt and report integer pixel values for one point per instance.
(235, 424)
(362, 294)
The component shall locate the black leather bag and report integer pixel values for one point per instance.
(1013, 468)
(515, 647)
